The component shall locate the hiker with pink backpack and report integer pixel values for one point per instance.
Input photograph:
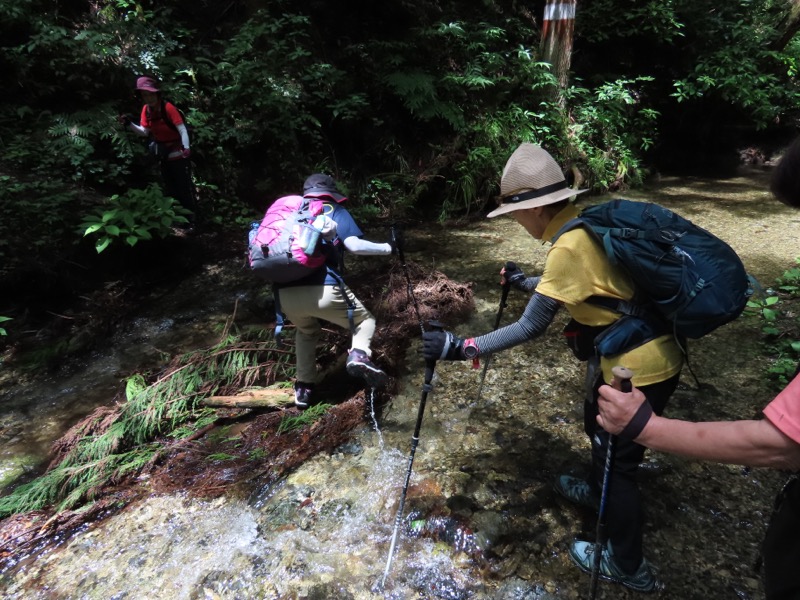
(299, 247)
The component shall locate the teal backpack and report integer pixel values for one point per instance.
(688, 281)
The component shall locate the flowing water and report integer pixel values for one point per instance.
(480, 519)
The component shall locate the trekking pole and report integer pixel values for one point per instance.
(430, 365)
(398, 243)
(622, 382)
(510, 266)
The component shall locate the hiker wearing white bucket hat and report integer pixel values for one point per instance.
(534, 190)
(531, 178)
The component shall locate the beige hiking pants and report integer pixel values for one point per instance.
(303, 305)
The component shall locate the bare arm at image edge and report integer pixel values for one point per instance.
(755, 443)
(751, 443)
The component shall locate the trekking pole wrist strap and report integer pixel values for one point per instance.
(637, 424)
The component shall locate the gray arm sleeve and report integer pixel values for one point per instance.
(358, 246)
(534, 321)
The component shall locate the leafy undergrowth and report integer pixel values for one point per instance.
(160, 438)
(779, 310)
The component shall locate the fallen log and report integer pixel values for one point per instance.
(252, 399)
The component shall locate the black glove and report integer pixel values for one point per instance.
(442, 345)
(514, 277)
(512, 274)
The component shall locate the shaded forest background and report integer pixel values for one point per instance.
(414, 106)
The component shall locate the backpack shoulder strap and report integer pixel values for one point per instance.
(165, 115)
(568, 226)
(603, 234)
(599, 233)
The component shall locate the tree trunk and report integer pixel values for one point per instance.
(788, 27)
(558, 27)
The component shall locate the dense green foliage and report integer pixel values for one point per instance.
(133, 216)
(414, 106)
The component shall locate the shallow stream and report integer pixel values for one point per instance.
(481, 519)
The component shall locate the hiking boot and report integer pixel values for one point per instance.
(359, 365)
(302, 394)
(577, 491)
(643, 580)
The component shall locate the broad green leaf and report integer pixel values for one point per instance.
(102, 244)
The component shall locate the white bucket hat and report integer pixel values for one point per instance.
(531, 178)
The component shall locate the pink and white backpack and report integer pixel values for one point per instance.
(285, 247)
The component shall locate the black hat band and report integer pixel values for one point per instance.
(535, 193)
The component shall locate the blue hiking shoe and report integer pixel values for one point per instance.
(359, 365)
(643, 580)
(577, 491)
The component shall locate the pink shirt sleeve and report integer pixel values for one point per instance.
(784, 410)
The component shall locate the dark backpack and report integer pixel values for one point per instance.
(278, 245)
(688, 281)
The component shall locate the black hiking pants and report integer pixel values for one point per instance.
(624, 513)
(177, 176)
(781, 549)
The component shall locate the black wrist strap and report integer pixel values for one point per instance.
(634, 428)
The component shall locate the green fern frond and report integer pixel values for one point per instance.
(305, 418)
(169, 406)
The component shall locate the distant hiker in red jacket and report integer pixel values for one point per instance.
(163, 123)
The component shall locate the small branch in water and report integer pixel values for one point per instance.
(229, 322)
(60, 316)
(199, 433)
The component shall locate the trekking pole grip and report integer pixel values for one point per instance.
(430, 365)
(510, 266)
(622, 379)
(511, 274)
(397, 241)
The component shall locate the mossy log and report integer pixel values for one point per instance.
(252, 399)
